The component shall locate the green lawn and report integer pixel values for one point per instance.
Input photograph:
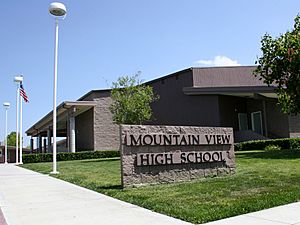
(262, 180)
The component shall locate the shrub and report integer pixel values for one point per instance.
(294, 144)
(283, 143)
(272, 148)
(66, 156)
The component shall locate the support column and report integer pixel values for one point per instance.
(40, 143)
(45, 145)
(31, 145)
(49, 140)
(265, 118)
(72, 134)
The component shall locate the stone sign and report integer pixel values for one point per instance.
(165, 154)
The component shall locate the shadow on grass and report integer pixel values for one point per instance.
(100, 188)
(282, 154)
(110, 187)
(101, 160)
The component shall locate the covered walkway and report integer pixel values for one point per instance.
(67, 112)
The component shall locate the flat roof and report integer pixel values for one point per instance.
(90, 92)
(236, 70)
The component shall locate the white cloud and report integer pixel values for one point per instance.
(219, 60)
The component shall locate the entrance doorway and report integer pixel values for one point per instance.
(243, 121)
(256, 120)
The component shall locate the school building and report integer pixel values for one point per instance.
(214, 96)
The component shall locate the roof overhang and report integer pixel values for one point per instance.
(63, 111)
(239, 91)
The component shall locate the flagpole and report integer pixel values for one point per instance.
(18, 80)
(21, 135)
(17, 128)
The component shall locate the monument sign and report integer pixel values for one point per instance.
(165, 154)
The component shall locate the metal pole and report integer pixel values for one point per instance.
(21, 135)
(72, 133)
(6, 135)
(17, 124)
(54, 98)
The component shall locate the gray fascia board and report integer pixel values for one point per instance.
(227, 90)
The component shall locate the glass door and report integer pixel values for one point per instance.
(243, 121)
(256, 120)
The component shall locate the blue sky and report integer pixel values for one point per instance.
(102, 40)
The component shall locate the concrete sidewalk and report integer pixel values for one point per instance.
(30, 198)
(281, 215)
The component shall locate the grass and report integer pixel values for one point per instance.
(262, 180)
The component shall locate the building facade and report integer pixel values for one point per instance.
(215, 96)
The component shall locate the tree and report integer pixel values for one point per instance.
(11, 139)
(279, 65)
(131, 100)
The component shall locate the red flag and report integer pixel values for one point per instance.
(23, 93)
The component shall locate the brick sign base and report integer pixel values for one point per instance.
(166, 154)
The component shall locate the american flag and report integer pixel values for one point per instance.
(23, 93)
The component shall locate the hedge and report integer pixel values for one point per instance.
(65, 156)
(284, 143)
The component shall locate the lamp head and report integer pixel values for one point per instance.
(57, 9)
(6, 104)
(18, 79)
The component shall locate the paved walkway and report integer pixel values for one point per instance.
(281, 215)
(30, 198)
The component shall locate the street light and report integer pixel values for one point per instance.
(58, 10)
(6, 105)
(18, 80)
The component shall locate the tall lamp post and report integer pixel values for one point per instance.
(58, 10)
(6, 105)
(18, 80)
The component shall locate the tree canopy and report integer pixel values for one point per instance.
(131, 100)
(279, 65)
(11, 139)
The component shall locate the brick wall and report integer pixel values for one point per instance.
(106, 134)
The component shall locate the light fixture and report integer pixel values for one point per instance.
(6, 106)
(58, 10)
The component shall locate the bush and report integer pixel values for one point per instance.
(295, 144)
(283, 143)
(272, 148)
(66, 156)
